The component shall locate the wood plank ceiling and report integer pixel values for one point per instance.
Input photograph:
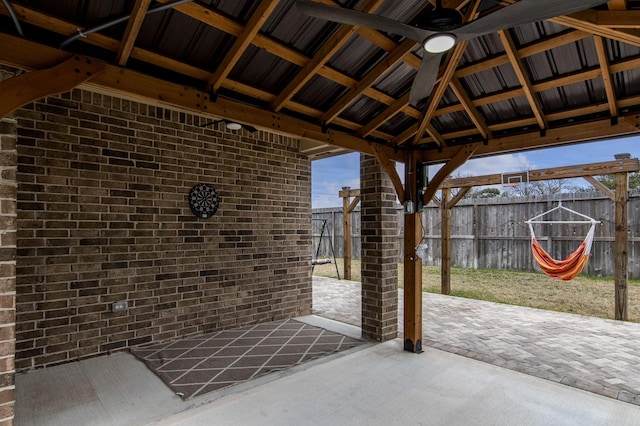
(341, 88)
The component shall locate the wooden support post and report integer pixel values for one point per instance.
(445, 243)
(346, 229)
(412, 264)
(412, 284)
(347, 208)
(621, 245)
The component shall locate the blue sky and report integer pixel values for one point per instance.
(329, 175)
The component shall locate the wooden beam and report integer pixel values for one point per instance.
(412, 265)
(453, 59)
(385, 115)
(246, 36)
(459, 196)
(617, 4)
(617, 19)
(462, 155)
(557, 40)
(385, 65)
(451, 63)
(390, 167)
(581, 132)
(601, 187)
(131, 33)
(23, 89)
(412, 284)
(564, 172)
(325, 53)
(585, 21)
(525, 82)
(212, 18)
(347, 208)
(621, 254)
(21, 53)
(603, 59)
(445, 243)
(472, 111)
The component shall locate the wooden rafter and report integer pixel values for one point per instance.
(385, 65)
(25, 88)
(210, 17)
(327, 50)
(244, 38)
(452, 61)
(607, 22)
(399, 105)
(601, 50)
(131, 33)
(586, 21)
(525, 82)
(385, 115)
(557, 40)
(471, 109)
(24, 54)
(617, 19)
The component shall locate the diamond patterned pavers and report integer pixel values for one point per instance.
(201, 364)
(594, 354)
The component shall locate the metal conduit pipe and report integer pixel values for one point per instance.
(116, 21)
(16, 22)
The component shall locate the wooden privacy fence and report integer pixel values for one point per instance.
(491, 233)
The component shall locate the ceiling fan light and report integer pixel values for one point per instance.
(232, 125)
(439, 43)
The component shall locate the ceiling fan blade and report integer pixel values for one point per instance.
(361, 19)
(425, 78)
(522, 12)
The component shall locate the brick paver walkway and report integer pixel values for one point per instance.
(593, 354)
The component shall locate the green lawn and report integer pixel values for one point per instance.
(585, 295)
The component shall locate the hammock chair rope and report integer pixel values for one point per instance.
(572, 265)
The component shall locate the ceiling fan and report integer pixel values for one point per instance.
(443, 28)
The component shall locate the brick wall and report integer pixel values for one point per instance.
(379, 269)
(103, 216)
(8, 191)
(7, 266)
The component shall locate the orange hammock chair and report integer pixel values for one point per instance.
(568, 268)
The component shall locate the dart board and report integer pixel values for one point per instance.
(203, 200)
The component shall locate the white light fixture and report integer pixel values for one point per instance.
(439, 43)
(231, 125)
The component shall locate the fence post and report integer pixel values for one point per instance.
(621, 245)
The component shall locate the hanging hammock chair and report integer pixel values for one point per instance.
(568, 268)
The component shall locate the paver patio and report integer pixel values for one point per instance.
(593, 354)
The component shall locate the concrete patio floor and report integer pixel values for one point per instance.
(375, 384)
(593, 354)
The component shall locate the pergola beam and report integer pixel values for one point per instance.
(23, 89)
(566, 172)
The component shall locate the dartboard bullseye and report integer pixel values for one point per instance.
(203, 200)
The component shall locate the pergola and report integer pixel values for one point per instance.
(340, 88)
